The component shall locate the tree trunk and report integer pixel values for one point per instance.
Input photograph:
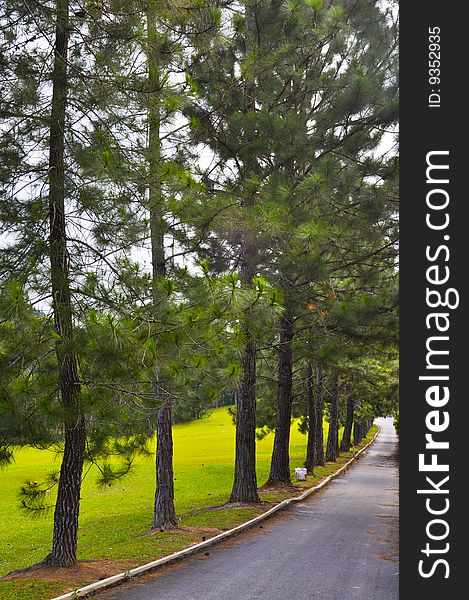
(320, 461)
(164, 514)
(312, 420)
(347, 435)
(67, 507)
(332, 438)
(245, 477)
(280, 463)
(357, 432)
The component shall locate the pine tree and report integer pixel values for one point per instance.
(47, 106)
(164, 514)
(64, 542)
(224, 118)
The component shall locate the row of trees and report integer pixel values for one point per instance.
(195, 202)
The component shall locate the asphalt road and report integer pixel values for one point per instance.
(341, 544)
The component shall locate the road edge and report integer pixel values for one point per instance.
(114, 580)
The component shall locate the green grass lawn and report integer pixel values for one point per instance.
(111, 521)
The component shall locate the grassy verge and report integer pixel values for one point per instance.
(112, 522)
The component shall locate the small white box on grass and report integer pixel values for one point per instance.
(300, 474)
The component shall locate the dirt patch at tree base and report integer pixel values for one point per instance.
(83, 573)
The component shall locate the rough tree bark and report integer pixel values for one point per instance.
(312, 420)
(319, 434)
(346, 441)
(67, 507)
(164, 513)
(245, 477)
(332, 450)
(280, 462)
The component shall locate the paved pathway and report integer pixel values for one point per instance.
(341, 544)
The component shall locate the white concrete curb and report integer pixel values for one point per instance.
(92, 588)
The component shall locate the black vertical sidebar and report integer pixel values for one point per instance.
(434, 153)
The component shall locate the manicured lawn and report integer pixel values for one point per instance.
(112, 521)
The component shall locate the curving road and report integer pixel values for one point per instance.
(341, 544)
